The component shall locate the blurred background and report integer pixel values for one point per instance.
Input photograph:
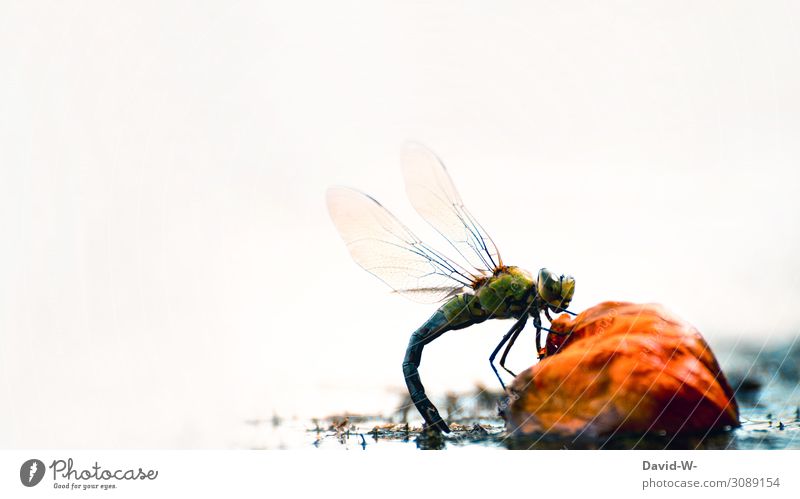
(168, 269)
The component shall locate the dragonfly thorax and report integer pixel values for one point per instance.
(512, 290)
(506, 293)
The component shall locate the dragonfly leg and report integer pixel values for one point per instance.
(514, 331)
(508, 349)
(537, 323)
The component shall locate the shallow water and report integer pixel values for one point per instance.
(767, 385)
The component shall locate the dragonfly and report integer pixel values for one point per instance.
(472, 285)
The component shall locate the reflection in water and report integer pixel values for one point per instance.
(718, 441)
(493, 436)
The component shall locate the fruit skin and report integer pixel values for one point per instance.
(618, 369)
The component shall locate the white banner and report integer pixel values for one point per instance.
(121, 474)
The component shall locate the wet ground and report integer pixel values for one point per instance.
(767, 384)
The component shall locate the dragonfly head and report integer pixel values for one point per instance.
(556, 290)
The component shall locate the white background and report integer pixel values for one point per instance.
(167, 266)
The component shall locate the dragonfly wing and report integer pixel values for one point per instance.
(434, 196)
(383, 246)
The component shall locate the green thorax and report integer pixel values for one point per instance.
(507, 292)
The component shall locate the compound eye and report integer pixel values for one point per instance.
(553, 285)
(567, 289)
(549, 286)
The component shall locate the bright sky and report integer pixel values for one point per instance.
(169, 268)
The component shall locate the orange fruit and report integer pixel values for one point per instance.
(622, 368)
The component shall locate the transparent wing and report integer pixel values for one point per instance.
(436, 199)
(383, 246)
